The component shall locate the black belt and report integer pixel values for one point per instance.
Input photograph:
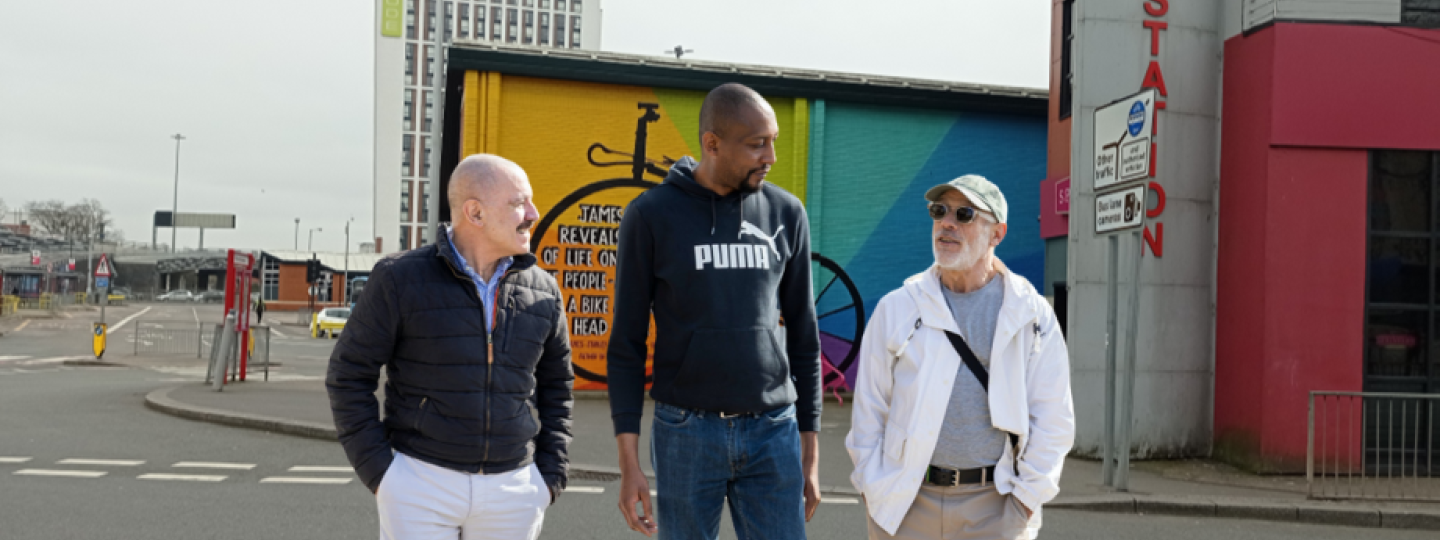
(941, 476)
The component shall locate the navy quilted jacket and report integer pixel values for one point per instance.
(446, 401)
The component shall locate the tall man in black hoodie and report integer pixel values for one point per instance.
(720, 257)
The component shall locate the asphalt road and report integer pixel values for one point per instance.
(81, 457)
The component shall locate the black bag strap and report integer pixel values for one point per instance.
(983, 376)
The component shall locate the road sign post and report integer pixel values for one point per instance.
(1122, 168)
(102, 282)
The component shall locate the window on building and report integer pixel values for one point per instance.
(544, 4)
(527, 3)
(424, 231)
(410, 22)
(429, 112)
(495, 24)
(429, 20)
(574, 32)
(424, 202)
(560, 5)
(559, 30)
(1067, 40)
(405, 237)
(510, 2)
(529, 27)
(409, 64)
(270, 279)
(1403, 264)
(408, 124)
(544, 28)
(429, 64)
(575, 6)
(425, 157)
(464, 21)
(408, 149)
(512, 25)
(480, 22)
(449, 21)
(405, 186)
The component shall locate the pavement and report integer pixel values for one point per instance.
(1183, 488)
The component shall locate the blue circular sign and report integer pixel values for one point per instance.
(1137, 118)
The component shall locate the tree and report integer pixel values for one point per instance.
(78, 222)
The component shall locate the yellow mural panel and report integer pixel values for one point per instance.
(589, 150)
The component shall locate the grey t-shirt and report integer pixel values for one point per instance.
(967, 438)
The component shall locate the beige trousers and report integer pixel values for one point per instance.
(969, 512)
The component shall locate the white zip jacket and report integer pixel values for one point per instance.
(907, 370)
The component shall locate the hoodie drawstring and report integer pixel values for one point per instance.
(740, 228)
(712, 216)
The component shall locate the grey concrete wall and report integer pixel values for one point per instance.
(1175, 374)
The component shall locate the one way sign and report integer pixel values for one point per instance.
(102, 268)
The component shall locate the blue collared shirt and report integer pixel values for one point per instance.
(482, 286)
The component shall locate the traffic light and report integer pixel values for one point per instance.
(312, 270)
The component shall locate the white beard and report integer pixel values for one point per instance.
(968, 255)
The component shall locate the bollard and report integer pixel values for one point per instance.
(220, 362)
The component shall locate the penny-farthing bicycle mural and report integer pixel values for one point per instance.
(576, 241)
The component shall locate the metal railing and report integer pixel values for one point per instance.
(1371, 445)
(168, 338)
(257, 358)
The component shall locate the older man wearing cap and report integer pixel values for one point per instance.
(962, 415)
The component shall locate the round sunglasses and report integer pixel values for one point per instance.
(963, 214)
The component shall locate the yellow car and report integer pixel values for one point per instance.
(329, 322)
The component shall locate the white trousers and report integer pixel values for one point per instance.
(420, 501)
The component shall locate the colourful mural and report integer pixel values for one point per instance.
(591, 148)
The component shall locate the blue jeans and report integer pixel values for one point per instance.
(702, 460)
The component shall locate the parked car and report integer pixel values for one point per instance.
(329, 322)
(210, 297)
(179, 295)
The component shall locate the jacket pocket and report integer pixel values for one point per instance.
(895, 441)
(743, 361)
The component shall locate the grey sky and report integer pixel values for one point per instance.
(274, 96)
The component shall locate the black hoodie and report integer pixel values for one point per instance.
(718, 272)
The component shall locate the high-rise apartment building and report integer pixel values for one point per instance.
(404, 104)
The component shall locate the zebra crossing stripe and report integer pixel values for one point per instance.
(182, 477)
(14, 459)
(102, 462)
(213, 465)
(54, 472)
(302, 480)
(312, 469)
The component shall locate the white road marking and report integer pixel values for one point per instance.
(122, 323)
(213, 465)
(278, 334)
(584, 489)
(196, 314)
(53, 472)
(22, 325)
(10, 358)
(840, 500)
(14, 459)
(182, 477)
(304, 468)
(102, 462)
(302, 480)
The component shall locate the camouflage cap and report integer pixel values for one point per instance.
(984, 194)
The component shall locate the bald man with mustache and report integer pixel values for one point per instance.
(472, 337)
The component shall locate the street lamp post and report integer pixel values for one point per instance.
(297, 234)
(346, 286)
(310, 244)
(175, 201)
